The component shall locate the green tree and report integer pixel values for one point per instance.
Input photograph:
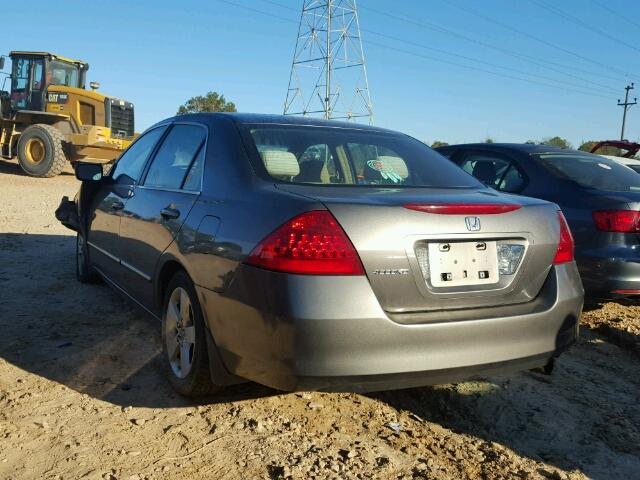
(529, 142)
(588, 145)
(211, 102)
(556, 142)
(489, 140)
(438, 143)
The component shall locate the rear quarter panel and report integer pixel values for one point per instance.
(243, 208)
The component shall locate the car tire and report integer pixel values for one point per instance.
(40, 151)
(184, 343)
(84, 272)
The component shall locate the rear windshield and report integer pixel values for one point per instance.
(593, 172)
(336, 156)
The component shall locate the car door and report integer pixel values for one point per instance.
(159, 206)
(107, 205)
(494, 170)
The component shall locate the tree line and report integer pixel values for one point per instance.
(556, 141)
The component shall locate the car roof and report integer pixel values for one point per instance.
(526, 148)
(262, 118)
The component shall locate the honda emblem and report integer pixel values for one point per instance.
(473, 223)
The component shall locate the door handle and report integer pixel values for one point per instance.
(117, 205)
(169, 213)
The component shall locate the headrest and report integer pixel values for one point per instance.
(485, 171)
(280, 163)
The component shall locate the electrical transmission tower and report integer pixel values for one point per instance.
(328, 72)
(626, 106)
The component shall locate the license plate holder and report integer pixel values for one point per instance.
(455, 264)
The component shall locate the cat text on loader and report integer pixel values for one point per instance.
(48, 118)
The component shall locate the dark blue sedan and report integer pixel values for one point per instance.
(599, 197)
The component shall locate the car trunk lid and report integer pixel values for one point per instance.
(422, 261)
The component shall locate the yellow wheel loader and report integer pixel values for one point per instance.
(48, 118)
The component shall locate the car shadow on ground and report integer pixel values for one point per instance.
(86, 337)
(90, 339)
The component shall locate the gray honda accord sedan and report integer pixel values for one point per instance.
(307, 254)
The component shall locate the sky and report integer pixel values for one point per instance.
(456, 70)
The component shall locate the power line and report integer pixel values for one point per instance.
(262, 12)
(278, 4)
(407, 52)
(575, 20)
(432, 26)
(531, 59)
(521, 72)
(603, 88)
(524, 34)
(616, 14)
(479, 69)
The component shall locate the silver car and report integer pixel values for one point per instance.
(306, 254)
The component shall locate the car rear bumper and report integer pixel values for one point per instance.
(603, 276)
(295, 332)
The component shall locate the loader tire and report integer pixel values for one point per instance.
(40, 151)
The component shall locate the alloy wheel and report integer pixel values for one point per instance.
(180, 332)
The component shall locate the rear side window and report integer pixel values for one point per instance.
(340, 156)
(494, 171)
(175, 157)
(130, 164)
(592, 171)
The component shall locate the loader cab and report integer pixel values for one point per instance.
(33, 72)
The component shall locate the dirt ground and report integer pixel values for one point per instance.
(82, 393)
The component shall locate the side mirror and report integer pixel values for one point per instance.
(89, 172)
(2, 63)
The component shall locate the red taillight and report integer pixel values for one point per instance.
(622, 221)
(312, 243)
(464, 208)
(565, 246)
